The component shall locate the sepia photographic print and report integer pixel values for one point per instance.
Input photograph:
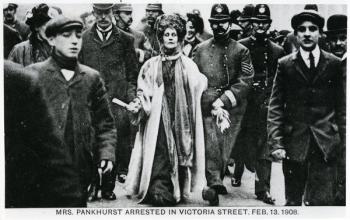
(181, 109)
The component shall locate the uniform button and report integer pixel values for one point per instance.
(211, 64)
(212, 45)
(225, 48)
(63, 105)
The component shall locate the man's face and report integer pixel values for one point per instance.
(9, 14)
(308, 35)
(220, 27)
(103, 17)
(190, 30)
(125, 17)
(260, 27)
(89, 21)
(151, 16)
(244, 24)
(337, 43)
(67, 43)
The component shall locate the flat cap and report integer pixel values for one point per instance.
(307, 15)
(154, 7)
(60, 24)
(122, 7)
(10, 6)
(102, 6)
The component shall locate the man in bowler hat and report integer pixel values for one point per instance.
(111, 51)
(337, 39)
(306, 116)
(228, 67)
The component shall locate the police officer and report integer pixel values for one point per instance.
(265, 54)
(227, 65)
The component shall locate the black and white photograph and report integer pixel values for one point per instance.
(168, 108)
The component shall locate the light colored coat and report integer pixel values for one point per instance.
(141, 162)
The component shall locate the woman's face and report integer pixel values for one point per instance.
(170, 38)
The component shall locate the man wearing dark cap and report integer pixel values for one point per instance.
(291, 44)
(254, 151)
(123, 16)
(111, 51)
(11, 20)
(306, 116)
(337, 39)
(244, 21)
(153, 10)
(78, 103)
(228, 67)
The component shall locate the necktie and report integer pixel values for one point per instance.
(312, 61)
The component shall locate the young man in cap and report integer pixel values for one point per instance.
(337, 39)
(306, 116)
(111, 51)
(11, 20)
(123, 16)
(77, 101)
(153, 11)
(254, 151)
(227, 65)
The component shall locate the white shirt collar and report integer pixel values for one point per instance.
(305, 55)
(68, 74)
(344, 56)
(100, 30)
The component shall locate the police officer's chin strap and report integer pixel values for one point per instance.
(222, 38)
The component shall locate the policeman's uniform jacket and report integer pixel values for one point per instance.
(301, 108)
(265, 55)
(81, 114)
(229, 70)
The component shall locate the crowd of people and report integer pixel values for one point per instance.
(166, 107)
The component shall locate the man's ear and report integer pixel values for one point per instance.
(51, 41)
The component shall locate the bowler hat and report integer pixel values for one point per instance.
(261, 13)
(122, 7)
(102, 6)
(11, 6)
(219, 12)
(336, 24)
(307, 15)
(61, 24)
(155, 7)
(247, 13)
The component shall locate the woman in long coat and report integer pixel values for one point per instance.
(167, 161)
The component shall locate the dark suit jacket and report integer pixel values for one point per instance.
(301, 108)
(92, 121)
(38, 172)
(114, 59)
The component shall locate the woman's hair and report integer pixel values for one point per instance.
(38, 16)
(197, 22)
(175, 21)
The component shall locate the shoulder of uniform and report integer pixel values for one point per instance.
(244, 41)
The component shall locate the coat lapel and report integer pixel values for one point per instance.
(296, 62)
(322, 64)
(54, 71)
